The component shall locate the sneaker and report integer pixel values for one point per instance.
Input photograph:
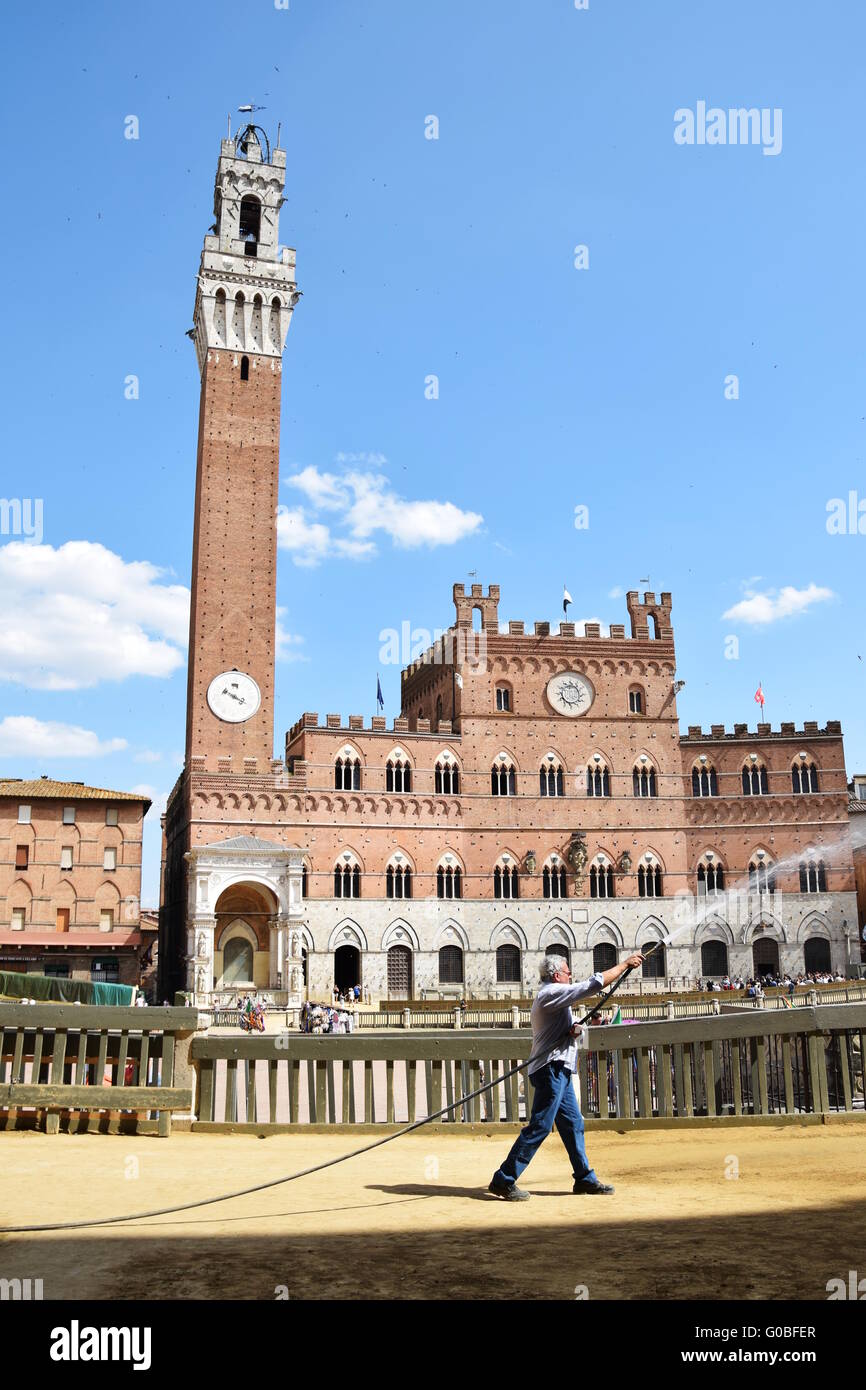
(592, 1187)
(510, 1192)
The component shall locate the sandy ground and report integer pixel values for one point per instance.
(413, 1219)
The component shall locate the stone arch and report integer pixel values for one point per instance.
(508, 933)
(458, 935)
(237, 927)
(604, 930)
(774, 929)
(713, 928)
(556, 932)
(815, 924)
(400, 933)
(649, 932)
(348, 933)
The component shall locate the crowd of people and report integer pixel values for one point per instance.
(754, 987)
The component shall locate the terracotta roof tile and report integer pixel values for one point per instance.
(75, 791)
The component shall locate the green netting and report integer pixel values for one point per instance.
(54, 989)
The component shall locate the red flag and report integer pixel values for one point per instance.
(759, 695)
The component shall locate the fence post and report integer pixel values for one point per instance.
(407, 1018)
(458, 1018)
(669, 1008)
(515, 1016)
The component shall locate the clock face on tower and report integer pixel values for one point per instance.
(233, 696)
(570, 693)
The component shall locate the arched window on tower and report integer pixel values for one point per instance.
(649, 878)
(449, 880)
(504, 703)
(505, 880)
(755, 778)
(398, 879)
(398, 774)
(503, 778)
(804, 776)
(710, 875)
(347, 773)
(601, 879)
(249, 226)
(597, 777)
(553, 878)
(450, 965)
(551, 780)
(245, 369)
(644, 778)
(636, 700)
(705, 780)
(762, 873)
(446, 775)
(508, 965)
(347, 878)
(813, 876)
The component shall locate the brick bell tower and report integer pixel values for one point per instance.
(243, 307)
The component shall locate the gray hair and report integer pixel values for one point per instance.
(549, 966)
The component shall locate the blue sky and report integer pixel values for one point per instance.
(558, 387)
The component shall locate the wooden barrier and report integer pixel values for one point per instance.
(794, 1063)
(102, 1062)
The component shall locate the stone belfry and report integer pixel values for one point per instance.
(243, 307)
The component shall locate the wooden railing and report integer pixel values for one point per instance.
(794, 1063)
(98, 1062)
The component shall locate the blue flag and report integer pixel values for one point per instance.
(380, 699)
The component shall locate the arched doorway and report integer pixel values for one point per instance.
(562, 952)
(603, 956)
(400, 972)
(765, 956)
(714, 958)
(237, 962)
(347, 967)
(654, 967)
(816, 956)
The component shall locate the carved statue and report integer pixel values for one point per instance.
(202, 950)
(201, 980)
(576, 854)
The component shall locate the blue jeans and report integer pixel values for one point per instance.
(554, 1103)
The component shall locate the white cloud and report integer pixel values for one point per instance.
(147, 755)
(374, 460)
(158, 799)
(287, 643)
(22, 736)
(79, 614)
(616, 592)
(365, 503)
(770, 606)
(580, 626)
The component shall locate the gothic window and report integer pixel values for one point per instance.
(654, 967)
(551, 781)
(347, 881)
(711, 877)
(450, 965)
(508, 965)
(398, 776)
(447, 776)
(347, 773)
(553, 880)
(601, 880)
(714, 958)
(813, 877)
(503, 698)
(505, 881)
(503, 779)
(449, 881)
(597, 779)
(762, 875)
(644, 779)
(603, 956)
(649, 880)
(245, 369)
(755, 779)
(636, 701)
(804, 777)
(705, 781)
(304, 881)
(398, 881)
(250, 224)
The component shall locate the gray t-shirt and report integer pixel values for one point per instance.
(551, 1020)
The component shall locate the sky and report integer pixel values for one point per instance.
(647, 348)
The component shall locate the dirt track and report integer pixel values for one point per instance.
(413, 1219)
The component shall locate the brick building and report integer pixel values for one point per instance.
(70, 880)
(535, 793)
